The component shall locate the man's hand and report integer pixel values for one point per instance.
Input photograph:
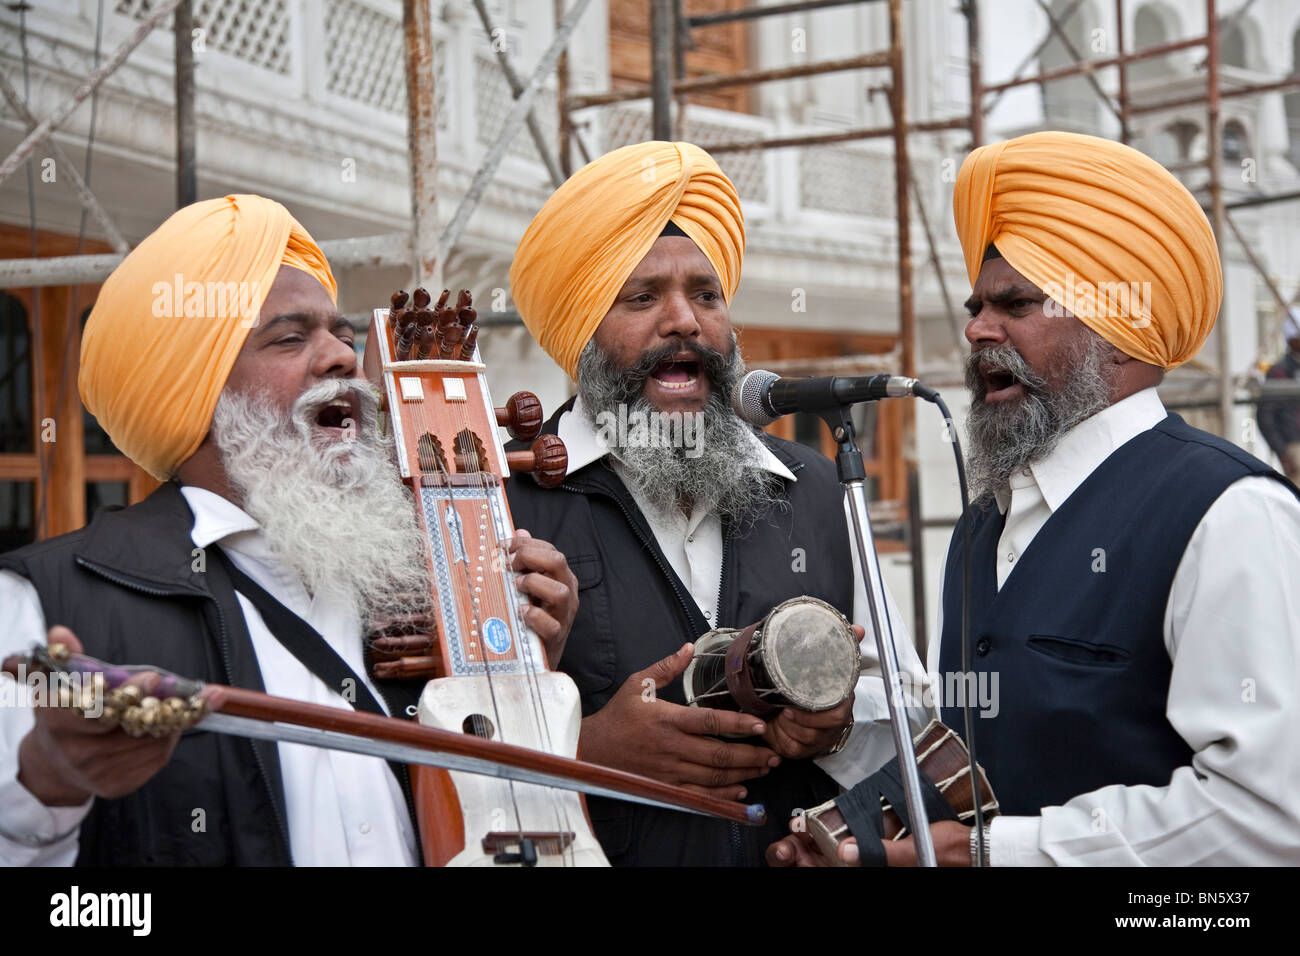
(798, 734)
(638, 732)
(66, 758)
(951, 848)
(552, 589)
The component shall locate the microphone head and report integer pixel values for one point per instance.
(749, 398)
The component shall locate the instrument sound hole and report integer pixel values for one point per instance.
(430, 454)
(471, 456)
(479, 726)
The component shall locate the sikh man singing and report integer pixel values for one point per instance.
(625, 278)
(1133, 583)
(279, 497)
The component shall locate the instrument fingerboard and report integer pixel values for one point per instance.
(478, 606)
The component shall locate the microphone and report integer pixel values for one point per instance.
(762, 397)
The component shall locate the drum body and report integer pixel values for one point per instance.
(803, 654)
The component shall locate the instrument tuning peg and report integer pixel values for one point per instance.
(467, 347)
(521, 417)
(465, 312)
(547, 460)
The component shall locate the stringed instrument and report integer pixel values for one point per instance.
(489, 671)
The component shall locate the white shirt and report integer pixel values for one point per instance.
(343, 809)
(1231, 628)
(693, 546)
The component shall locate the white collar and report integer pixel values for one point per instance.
(215, 517)
(585, 444)
(1085, 446)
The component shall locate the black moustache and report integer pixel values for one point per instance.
(712, 363)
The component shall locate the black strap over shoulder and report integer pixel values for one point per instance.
(862, 811)
(306, 644)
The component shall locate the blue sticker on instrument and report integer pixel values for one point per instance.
(496, 635)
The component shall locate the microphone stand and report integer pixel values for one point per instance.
(852, 474)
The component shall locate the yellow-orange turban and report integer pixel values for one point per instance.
(1105, 231)
(171, 319)
(595, 229)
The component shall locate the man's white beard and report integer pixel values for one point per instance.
(334, 511)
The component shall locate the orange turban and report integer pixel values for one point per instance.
(595, 229)
(1103, 230)
(171, 319)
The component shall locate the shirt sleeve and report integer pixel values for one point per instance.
(31, 834)
(871, 744)
(1231, 626)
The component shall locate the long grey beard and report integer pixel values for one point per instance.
(718, 471)
(1007, 436)
(335, 512)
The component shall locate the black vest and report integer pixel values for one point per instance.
(1075, 635)
(633, 610)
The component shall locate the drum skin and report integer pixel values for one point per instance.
(803, 654)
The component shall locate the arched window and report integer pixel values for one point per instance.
(1235, 146)
(1239, 45)
(1152, 26)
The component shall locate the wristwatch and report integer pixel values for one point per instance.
(844, 739)
(979, 835)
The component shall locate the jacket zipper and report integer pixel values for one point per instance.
(224, 643)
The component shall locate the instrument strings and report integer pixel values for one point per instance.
(492, 492)
(480, 590)
(425, 426)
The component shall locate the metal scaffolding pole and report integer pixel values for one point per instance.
(187, 182)
(906, 308)
(421, 135)
(1125, 134)
(517, 87)
(707, 84)
(561, 96)
(65, 109)
(88, 200)
(389, 249)
(1215, 162)
(976, 80)
(753, 13)
(1089, 66)
(848, 135)
(1056, 26)
(662, 45)
(497, 151)
(1280, 299)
